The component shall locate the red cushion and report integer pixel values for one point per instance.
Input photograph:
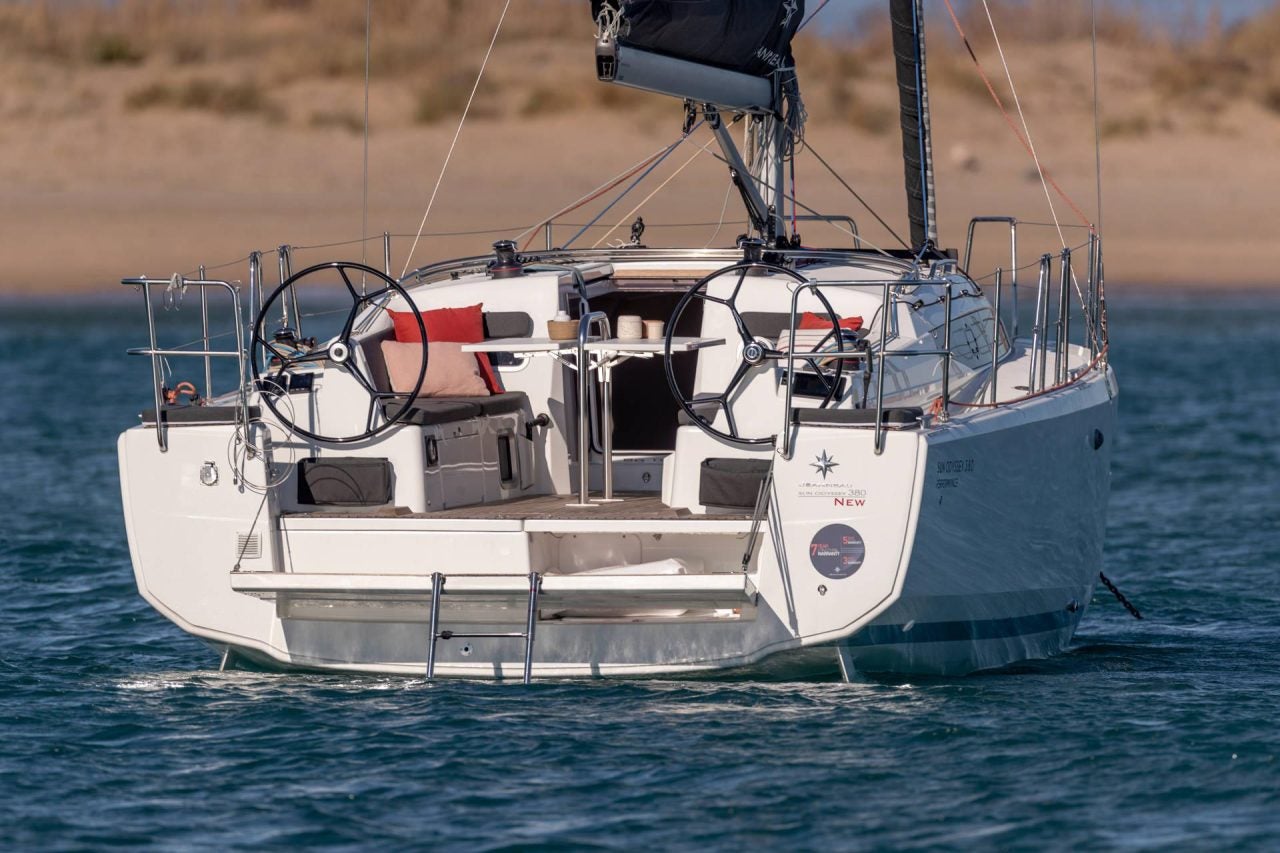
(450, 325)
(810, 320)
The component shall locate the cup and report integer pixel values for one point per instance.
(629, 327)
(653, 329)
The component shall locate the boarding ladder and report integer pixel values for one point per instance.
(438, 582)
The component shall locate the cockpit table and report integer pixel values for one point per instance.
(604, 354)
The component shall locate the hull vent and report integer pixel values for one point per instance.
(248, 546)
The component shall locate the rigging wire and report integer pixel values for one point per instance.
(1045, 175)
(590, 197)
(466, 110)
(854, 193)
(724, 208)
(807, 209)
(364, 202)
(656, 163)
(1024, 136)
(657, 190)
(812, 15)
(1017, 102)
(1026, 130)
(1097, 138)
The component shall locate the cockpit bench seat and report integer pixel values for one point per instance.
(898, 418)
(433, 411)
(186, 414)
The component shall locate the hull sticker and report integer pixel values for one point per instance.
(837, 551)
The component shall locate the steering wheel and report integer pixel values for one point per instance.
(340, 351)
(754, 352)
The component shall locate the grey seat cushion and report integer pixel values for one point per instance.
(506, 403)
(903, 417)
(429, 411)
(198, 414)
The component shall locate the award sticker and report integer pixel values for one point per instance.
(837, 551)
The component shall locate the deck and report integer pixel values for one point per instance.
(633, 507)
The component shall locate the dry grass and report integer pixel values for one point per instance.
(240, 57)
(216, 96)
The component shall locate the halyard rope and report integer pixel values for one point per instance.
(1045, 176)
(364, 201)
(1024, 136)
(467, 109)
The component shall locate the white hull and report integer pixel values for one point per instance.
(826, 457)
(983, 540)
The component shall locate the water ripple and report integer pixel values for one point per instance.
(1147, 735)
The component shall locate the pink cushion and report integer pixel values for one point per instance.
(458, 325)
(450, 371)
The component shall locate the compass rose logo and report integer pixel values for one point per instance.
(791, 7)
(824, 464)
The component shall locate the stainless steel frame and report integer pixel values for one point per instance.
(888, 289)
(1012, 222)
(600, 320)
(156, 354)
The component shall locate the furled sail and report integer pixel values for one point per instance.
(748, 36)
(907, 18)
(722, 52)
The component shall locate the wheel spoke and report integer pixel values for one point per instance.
(284, 359)
(821, 374)
(743, 331)
(345, 334)
(742, 276)
(374, 294)
(738, 375)
(342, 271)
(361, 378)
(313, 357)
(730, 419)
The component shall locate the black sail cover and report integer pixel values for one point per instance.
(748, 36)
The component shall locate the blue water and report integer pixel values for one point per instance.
(117, 730)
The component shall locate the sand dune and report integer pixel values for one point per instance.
(152, 164)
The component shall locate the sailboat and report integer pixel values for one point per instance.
(767, 458)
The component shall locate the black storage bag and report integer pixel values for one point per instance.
(345, 481)
(731, 482)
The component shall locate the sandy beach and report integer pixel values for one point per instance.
(106, 172)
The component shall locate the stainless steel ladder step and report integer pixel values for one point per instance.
(438, 589)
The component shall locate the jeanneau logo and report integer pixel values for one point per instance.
(791, 7)
(824, 464)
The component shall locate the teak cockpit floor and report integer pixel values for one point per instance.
(632, 507)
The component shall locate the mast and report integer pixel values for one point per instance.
(907, 19)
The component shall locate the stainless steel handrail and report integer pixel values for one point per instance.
(1037, 327)
(834, 217)
(1064, 318)
(600, 319)
(1012, 222)
(995, 339)
(156, 353)
(479, 263)
(204, 326)
(882, 353)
